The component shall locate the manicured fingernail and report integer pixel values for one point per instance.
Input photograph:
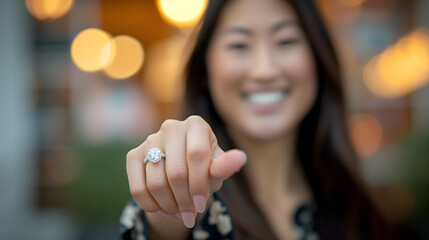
(200, 203)
(188, 219)
(178, 216)
(161, 213)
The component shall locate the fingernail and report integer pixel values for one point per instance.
(178, 216)
(188, 219)
(161, 213)
(245, 156)
(200, 203)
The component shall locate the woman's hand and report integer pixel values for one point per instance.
(194, 167)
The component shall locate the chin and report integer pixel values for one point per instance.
(267, 133)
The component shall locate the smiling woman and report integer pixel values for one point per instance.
(263, 78)
(261, 68)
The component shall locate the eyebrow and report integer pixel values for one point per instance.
(275, 28)
(241, 30)
(283, 24)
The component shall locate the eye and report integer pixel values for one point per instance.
(238, 46)
(287, 42)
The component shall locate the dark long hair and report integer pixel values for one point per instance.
(344, 210)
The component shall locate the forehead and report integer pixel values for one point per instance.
(255, 13)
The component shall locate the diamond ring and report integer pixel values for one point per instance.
(154, 155)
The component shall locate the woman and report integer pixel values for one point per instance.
(263, 78)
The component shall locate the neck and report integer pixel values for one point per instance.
(276, 180)
(272, 166)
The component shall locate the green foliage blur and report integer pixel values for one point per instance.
(101, 189)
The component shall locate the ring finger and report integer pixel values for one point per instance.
(157, 183)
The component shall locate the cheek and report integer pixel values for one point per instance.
(222, 68)
(299, 63)
(300, 68)
(224, 72)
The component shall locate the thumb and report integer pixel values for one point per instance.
(226, 164)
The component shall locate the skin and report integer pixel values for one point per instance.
(258, 46)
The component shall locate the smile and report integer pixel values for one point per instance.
(266, 98)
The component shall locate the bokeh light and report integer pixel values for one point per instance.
(128, 59)
(92, 50)
(183, 13)
(366, 134)
(401, 68)
(48, 9)
(163, 74)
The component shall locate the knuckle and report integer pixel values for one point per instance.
(150, 139)
(131, 154)
(198, 152)
(195, 119)
(169, 125)
(137, 192)
(143, 199)
(155, 184)
(178, 177)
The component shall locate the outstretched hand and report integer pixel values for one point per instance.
(194, 167)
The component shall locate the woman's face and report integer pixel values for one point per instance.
(261, 70)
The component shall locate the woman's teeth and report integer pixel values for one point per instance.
(265, 98)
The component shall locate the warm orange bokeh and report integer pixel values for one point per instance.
(91, 50)
(366, 134)
(401, 68)
(48, 9)
(128, 58)
(184, 13)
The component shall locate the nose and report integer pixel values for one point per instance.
(264, 67)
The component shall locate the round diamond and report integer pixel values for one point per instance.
(155, 155)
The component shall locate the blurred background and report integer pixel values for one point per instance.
(84, 81)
